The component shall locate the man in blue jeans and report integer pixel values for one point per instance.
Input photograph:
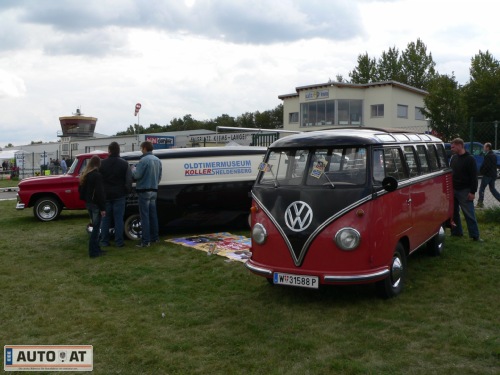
(147, 174)
(489, 171)
(464, 170)
(117, 178)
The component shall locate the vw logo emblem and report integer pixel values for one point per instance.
(298, 216)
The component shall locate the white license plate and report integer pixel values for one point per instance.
(296, 280)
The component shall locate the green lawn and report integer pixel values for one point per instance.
(173, 310)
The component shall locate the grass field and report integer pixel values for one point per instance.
(173, 310)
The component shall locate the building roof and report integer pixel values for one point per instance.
(353, 85)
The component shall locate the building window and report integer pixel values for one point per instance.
(74, 146)
(418, 114)
(293, 117)
(65, 147)
(318, 113)
(377, 110)
(349, 112)
(402, 111)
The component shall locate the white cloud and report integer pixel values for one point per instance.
(205, 57)
(11, 86)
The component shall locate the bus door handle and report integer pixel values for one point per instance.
(408, 201)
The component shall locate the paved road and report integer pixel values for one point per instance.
(8, 194)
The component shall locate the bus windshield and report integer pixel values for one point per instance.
(312, 167)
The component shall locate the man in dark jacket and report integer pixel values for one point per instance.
(117, 178)
(464, 171)
(489, 172)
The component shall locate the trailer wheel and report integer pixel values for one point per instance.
(47, 209)
(435, 245)
(132, 227)
(393, 285)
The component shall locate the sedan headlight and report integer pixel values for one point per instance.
(347, 238)
(259, 234)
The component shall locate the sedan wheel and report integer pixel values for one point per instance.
(47, 209)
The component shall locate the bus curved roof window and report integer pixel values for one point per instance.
(425, 137)
(401, 137)
(385, 137)
(414, 137)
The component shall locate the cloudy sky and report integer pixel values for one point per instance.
(206, 57)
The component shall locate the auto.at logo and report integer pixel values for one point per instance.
(298, 216)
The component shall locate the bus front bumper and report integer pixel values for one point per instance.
(334, 279)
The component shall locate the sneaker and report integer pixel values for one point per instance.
(142, 245)
(477, 239)
(480, 205)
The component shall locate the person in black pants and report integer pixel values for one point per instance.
(489, 171)
(91, 190)
(117, 178)
(464, 177)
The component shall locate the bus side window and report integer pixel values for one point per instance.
(378, 165)
(433, 160)
(443, 160)
(394, 165)
(422, 157)
(411, 160)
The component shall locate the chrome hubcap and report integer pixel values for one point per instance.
(396, 271)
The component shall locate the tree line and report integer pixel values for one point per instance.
(270, 119)
(449, 106)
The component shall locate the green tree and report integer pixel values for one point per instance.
(365, 71)
(389, 66)
(444, 107)
(417, 67)
(246, 120)
(482, 92)
(132, 129)
(225, 120)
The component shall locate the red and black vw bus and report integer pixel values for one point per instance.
(348, 206)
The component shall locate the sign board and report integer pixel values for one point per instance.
(48, 358)
(160, 142)
(243, 139)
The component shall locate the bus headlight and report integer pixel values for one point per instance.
(347, 238)
(259, 234)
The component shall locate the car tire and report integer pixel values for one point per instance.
(435, 245)
(393, 285)
(47, 209)
(132, 227)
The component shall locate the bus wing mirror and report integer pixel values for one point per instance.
(390, 183)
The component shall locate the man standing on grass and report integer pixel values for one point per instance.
(464, 171)
(147, 174)
(117, 178)
(489, 171)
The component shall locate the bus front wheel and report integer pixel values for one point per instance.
(393, 285)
